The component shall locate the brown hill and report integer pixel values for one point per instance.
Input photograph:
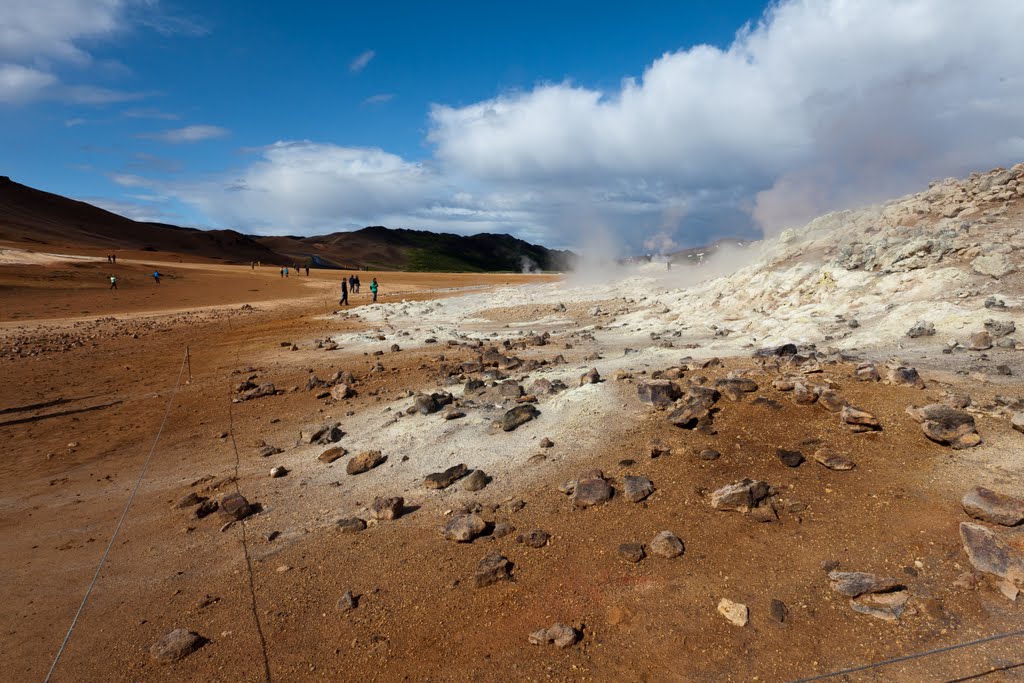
(28, 215)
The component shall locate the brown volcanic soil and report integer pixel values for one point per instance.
(65, 480)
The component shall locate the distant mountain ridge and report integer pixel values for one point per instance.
(28, 215)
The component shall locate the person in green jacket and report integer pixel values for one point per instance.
(373, 288)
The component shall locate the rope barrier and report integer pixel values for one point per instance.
(904, 658)
(120, 522)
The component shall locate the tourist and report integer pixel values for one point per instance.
(113, 281)
(156, 276)
(373, 288)
(344, 292)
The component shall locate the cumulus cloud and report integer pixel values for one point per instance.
(307, 187)
(360, 62)
(196, 133)
(818, 105)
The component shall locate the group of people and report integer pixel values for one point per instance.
(285, 270)
(112, 258)
(352, 284)
(113, 279)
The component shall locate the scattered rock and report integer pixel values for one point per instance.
(364, 462)
(789, 458)
(351, 525)
(442, 480)
(632, 552)
(492, 569)
(887, 606)
(666, 544)
(657, 448)
(990, 553)
(546, 443)
(859, 420)
(591, 376)
(853, 584)
(191, 499)
(348, 602)
(535, 538)
(709, 454)
(947, 425)
(502, 529)
(736, 613)
(464, 528)
(1000, 328)
(981, 341)
(236, 507)
(637, 488)
(387, 508)
(332, 454)
(278, 471)
(833, 460)
(176, 645)
(476, 480)
(517, 416)
(591, 491)
(267, 451)
(904, 376)
(735, 388)
(989, 506)
(320, 434)
(922, 328)
(207, 507)
(658, 392)
(1017, 422)
(740, 496)
(778, 611)
(340, 392)
(561, 635)
(867, 372)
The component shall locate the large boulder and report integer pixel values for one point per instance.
(442, 480)
(946, 425)
(519, 415)
(990, 553)
(993, 265)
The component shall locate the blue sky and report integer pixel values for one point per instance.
(646, 125)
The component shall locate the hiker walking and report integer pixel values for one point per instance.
(307, 271)
(286, 271)
(344, 293)
(373, 288)
(282, 271)
(357, 284)
(156, 276)
(113, 281)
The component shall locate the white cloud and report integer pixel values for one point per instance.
(20, 83)
(832, 102)
(187, 134)
(379, 99)
(360, 62)
(309, 187)
(51, 28)
(149, 113)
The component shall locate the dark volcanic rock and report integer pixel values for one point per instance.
(658, 392)
(789, 458)
(990, 553)
(947, 425)
(235, 506)
(904, 376)
(591, 491)
(535, 538)
(833, 460)
(442, 480)
(859, 420)
(666, 544)
(853, 584)
(517, 416)
(734, 388)
(591, 376)
(351, 525)
(476, 480)
(989, 506)
(636, 488)
(632, 552)
(492, 569)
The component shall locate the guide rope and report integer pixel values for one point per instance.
(120, 522)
